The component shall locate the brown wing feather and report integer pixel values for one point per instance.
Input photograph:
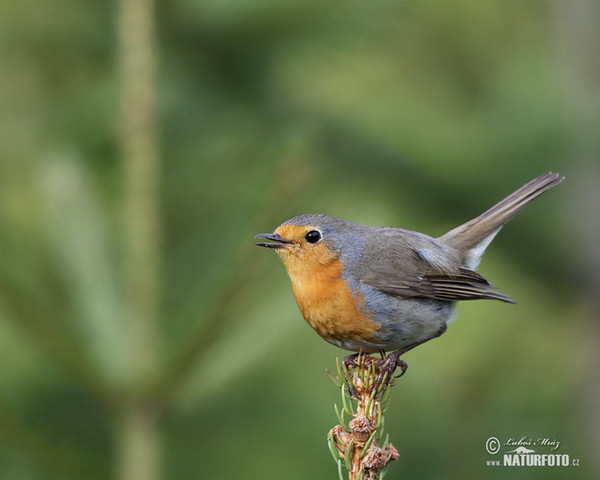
(466, 285)
(409, 264)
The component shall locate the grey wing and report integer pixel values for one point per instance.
(466, 285)
(410, 264)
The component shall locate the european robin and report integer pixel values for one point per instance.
(378, 289)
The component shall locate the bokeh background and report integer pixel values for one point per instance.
(142, 145)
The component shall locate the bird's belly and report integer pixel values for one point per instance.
(408, 321)
(337, 314)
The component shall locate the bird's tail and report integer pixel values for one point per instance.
(474, 236)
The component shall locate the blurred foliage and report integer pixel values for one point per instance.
(414, 114)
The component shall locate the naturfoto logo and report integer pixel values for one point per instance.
(528, 452)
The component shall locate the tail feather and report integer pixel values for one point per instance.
(476, 234)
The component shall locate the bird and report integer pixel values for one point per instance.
(384, 289)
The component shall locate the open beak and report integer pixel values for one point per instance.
(274, 237)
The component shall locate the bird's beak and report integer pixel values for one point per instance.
(275, 237)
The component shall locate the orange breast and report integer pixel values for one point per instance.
(324, 298)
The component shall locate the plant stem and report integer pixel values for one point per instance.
(139, 444)
(356, 444)
(139, 455)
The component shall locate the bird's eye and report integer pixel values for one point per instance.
(313, 236)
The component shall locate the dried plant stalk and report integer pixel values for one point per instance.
(354, 445)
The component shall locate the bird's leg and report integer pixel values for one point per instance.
(387, 366)
(350, 360)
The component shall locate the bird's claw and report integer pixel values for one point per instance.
(350, 360)
(387, 366)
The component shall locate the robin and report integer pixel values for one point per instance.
(382, 289)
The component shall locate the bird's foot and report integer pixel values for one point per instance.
(350, 362)
(387, 367)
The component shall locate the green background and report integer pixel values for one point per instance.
(419, 114)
